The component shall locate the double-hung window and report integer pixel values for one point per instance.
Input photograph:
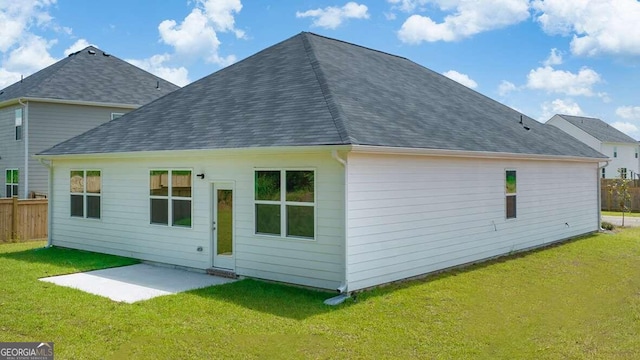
(170, 197)
(86, 193)
(11, 181)
(18, 124)
(285, 203)
(510, 192)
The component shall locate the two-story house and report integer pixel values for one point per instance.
(620, 147)
(77, 93)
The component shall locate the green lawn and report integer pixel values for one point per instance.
(580, 300)
(618, 213)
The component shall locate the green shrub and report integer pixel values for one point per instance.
(607, 225)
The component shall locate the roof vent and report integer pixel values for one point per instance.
(158, 84)
(92, 52)
(105, 54)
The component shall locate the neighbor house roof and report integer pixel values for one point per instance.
(91, 75)
(312, 90)
(599, 129)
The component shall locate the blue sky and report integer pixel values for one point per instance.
(541, 57)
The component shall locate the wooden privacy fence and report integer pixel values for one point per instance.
(610, 201)
(23, 220)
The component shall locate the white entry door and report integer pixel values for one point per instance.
(223, 225)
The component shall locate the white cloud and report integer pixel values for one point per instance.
(563, 82)
(555, 58)
(17, 16)
(407, 5)
(627, 128)
(463, 79)
(596, 27)
(196, 35)
(559, 106)
(629, 112)
(32, 55)
(331, 17)
(469, 17)
(77, 46)
(8, 77)
(157, 66)
(506, 87)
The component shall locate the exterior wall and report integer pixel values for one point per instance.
(411, 215)
(50, 124)
(124, 228)
(626, 158)
(11, 150)
(576, 132)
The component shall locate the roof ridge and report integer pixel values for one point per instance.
(353, 44)
(333, 106)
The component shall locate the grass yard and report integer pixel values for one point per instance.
(579, 300)
(618, 213)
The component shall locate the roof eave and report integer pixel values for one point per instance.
(471, 154)
(67, 102)
(196, 152)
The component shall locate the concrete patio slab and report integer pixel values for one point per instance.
(137, 282)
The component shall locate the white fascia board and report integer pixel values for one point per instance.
(469, 154)
(68, 102)
(198, 152)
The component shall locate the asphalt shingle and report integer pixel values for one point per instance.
(313, 90)
(91, 75)
(599, 129)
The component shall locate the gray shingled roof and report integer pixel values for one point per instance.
(312, 90)
(599, 129)
(94, 76)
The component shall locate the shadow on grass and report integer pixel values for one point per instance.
(69, 260)
(271, 298)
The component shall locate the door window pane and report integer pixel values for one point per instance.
(300, 221)
(268, 219)
(224, 222)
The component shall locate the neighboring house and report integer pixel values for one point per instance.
(76, 94)
(322, 163)
(620, 147)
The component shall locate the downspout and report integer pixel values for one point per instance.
(600, 194)
(343, 289)
(25, 138)
(49, 202)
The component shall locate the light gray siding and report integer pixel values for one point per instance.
(411, 215)
(124, 228)
(11, 151)
(50, 124)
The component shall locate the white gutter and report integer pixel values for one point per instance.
(467, 154)
(49, 201)
(200, 152)
(25, 139)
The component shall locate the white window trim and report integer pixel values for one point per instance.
(6, 183)
(283, 205)
(115, 115)
(85, 194)
(506, 194)
(170, 198)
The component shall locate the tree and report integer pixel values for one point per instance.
(619, 191)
